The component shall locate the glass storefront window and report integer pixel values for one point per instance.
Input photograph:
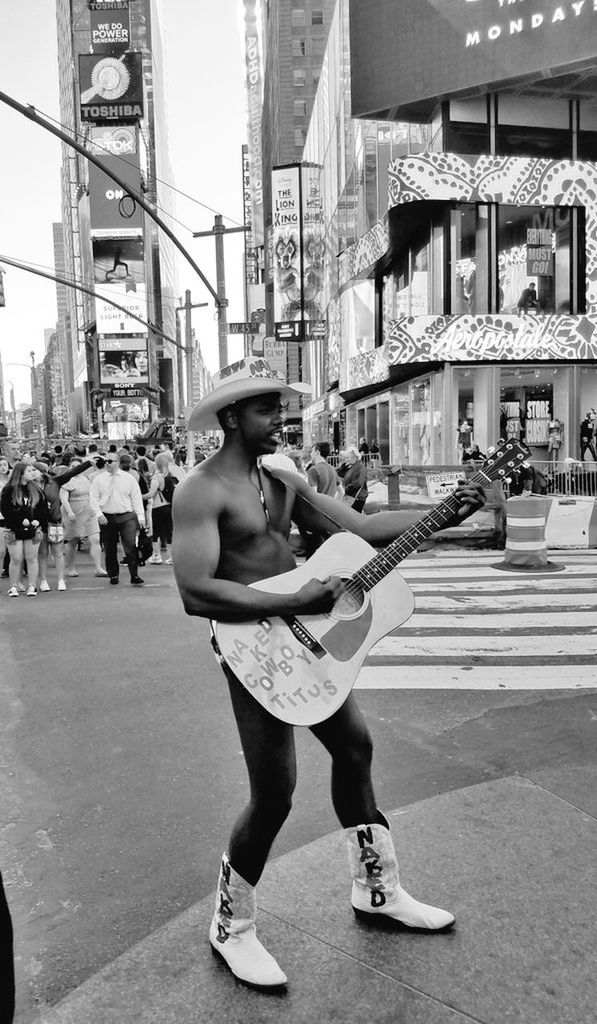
(534, 259)
(358, 317)
(470, 224)
(401, 426)
(420, 422)
(412, 287)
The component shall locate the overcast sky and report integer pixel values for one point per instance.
(207, 126)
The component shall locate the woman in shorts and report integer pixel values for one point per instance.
(80, 522)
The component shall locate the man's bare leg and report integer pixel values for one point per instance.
(269, 749)
(347, 739)
(376, 892)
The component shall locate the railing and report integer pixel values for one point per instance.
(568, 478)
(565, 478)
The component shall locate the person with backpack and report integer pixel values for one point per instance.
(161, 492)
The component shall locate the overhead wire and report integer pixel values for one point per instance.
(166, 303)
(82, 137)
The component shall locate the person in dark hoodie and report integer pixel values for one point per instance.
(53, 534)
(24, 511)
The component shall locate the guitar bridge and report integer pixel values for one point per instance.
(302, 634)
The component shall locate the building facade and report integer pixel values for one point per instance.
(461, 248)
(112, 99)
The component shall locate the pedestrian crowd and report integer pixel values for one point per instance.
(54, 500)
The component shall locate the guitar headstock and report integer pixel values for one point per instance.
(508, 458)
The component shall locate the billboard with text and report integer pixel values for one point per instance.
(111, 88)
(110, 27)
(403, 56)
(119, 275)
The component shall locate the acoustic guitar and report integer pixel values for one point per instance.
(302, 669)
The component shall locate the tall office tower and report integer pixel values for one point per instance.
(112, 99)
(294, 35)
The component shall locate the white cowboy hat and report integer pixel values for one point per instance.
(247, 378)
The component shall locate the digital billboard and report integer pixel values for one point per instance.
(119, 275)
(110, 206)
(123, 362)
(111, 87)
(110, 27)
(405, 55)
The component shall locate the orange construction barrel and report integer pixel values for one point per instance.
(526, 547)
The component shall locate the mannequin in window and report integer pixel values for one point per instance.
(555, 436)
(528, 299)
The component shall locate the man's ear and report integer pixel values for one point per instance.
(229, 416)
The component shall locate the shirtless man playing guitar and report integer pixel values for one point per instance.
(232, 520)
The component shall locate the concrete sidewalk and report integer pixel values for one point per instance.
(513, 858)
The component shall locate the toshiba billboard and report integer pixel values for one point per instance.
(405, 55)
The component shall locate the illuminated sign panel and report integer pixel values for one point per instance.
(405, 55)
(111, 87)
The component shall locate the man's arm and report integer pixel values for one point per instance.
(68, 474)
(196, 548)
(137, 501)
(94, 496)
(322, 513)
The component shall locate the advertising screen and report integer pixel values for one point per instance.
(111, 87)
(405, 55)
(123, 362)
(110, 27)
(286, 242)
(110, 206)
(119, 275)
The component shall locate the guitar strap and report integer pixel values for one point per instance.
(267, 470)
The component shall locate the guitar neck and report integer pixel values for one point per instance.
(378, 567)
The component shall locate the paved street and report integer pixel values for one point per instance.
(122, 770)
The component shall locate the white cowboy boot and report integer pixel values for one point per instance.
(232, 932)
(376, 889)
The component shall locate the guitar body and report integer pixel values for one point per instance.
(303, 669)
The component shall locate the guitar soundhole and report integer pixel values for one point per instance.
(350, 603)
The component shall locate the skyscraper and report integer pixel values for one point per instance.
(112, 99)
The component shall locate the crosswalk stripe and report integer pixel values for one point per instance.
(485, 677)
(478, 628)
(513, 622)
(553, 646)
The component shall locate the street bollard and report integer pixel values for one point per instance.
(394, 487)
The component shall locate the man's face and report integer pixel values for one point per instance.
(261, 420)
(12, 452)
(111, 463)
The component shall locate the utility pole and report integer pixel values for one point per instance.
(218, 231)
(188, 347)
(179, 365)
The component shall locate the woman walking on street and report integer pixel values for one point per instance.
(79, 521)
(25, 513)
(4, 478)
(160, 503)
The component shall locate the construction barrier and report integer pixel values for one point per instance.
(526, 546)
(571, 523)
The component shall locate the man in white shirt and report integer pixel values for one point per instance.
(116, 500)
